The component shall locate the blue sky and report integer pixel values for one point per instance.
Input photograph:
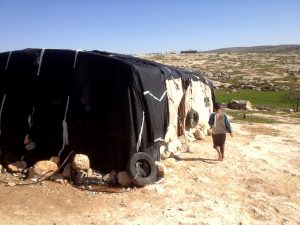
(140, 26)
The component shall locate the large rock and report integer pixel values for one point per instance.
(199, 134)
(17, 167)
(44, 168)
(161, 169)
(81, 162)
(174, 145)
(239, 104)
(124, 179)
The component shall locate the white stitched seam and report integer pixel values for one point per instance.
(158, 99)
(8, 60)
(75, 60)
(40, 61)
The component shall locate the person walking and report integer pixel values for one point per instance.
(220, 125)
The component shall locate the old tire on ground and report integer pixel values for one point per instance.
(192, 119)
(141, 167)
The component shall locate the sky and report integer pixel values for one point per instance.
(140, 26)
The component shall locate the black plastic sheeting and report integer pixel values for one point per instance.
(115, 105)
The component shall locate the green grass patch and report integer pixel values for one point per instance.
(248, 117)
(295, 115)
(272, 99)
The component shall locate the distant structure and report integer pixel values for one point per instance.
(189, 52)
(170, 52)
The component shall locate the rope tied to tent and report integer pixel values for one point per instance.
(65, 129)
(64, 122)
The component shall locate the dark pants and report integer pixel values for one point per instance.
(219, 140)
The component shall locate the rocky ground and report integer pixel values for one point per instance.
(257, 183)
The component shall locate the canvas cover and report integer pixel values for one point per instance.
(105, 105)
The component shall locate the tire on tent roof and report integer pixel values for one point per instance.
(192, 119)
(141, 167)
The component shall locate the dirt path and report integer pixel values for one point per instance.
(258, 183)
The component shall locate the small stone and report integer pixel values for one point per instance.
(81, 162)
(55, 159)
(124, 179)
(79, 176)
(67, 171)
(170, 162)
(1, 167)
(190, 136)
(44, 168)
(31, 174)
(97, 174)
(11, 184)
(166, 154)
(58, 178)
(159, 190)
(17, 167)
(26, 170)
(162, 148)
(172, 147)
(177, 144)
(26, 139)
(161, 169)
(111, 177)
(30, 146)
(90, 172)
(199, 135)
(209, 132)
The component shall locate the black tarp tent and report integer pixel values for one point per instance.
(105, 105)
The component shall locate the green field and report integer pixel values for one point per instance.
(273, 99)
(249, 117)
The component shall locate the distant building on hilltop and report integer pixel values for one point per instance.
(189, 52)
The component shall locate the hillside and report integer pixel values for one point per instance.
(269, 71)
(259, 49)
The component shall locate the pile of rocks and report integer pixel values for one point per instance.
(77, 171)
(219, 76)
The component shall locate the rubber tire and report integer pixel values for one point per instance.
(138, 179)
(192, 119)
